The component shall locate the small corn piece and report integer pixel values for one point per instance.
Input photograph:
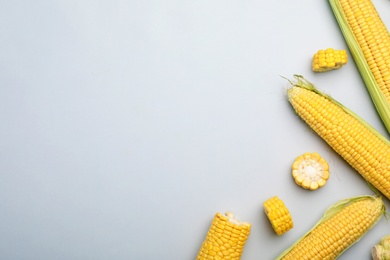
(382, 250)
(368, 40)
(343, 224)
(310, 171)
(329, 59)
(225, 239)
(278, 215)
(364, 148)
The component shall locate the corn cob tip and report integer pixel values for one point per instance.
(232, 219)
(300, 82)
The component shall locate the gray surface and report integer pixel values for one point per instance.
(126, 125)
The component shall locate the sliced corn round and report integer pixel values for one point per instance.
(310, 171)
(278, 215)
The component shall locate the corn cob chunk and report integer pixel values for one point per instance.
(278, 215)
(350, 136)
(329, 59)
(342, 225)
(310, 171)
(369, 42)
(225, 239)
(382, 250)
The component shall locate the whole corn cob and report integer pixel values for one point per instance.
(278, 215)
(369, 42)
(342, 225)
(225, 239)
(350, 136)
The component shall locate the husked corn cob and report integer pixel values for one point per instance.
(310, 171)
(278, 215)
(342, 225)
(329, 59)
(369, 42)
(350, 136)
(225, 239)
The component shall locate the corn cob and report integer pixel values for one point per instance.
(225, 239)
(310, 171)
(343, 224)
(364, 148)
(278, 215)
(382, 251)
(368, 40)
(329, 59)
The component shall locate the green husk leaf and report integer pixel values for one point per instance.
(381, 104)
(330, 212)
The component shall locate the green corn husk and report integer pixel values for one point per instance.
(335, 209)
(382, 105)
(382, 250)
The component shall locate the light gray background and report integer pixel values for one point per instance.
(126, 125)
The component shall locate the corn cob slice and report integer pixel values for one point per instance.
(225, 239)
(278, 215)
(343, 224)
(310, 171)
(364, 148)
(382, 250)
(368, 40)
(329, 59)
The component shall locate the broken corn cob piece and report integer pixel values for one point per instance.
(382, 251)
(368, 40)
(278, 215)
(310, 171)
(343, 224)
(329, 59)
(364, 148)
(225, 239)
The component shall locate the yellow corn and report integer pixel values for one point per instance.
(329, 59)
(341, 226)
(278, 215)
(369, 42)
(225, 239)
(350, 136)
(310, 171)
